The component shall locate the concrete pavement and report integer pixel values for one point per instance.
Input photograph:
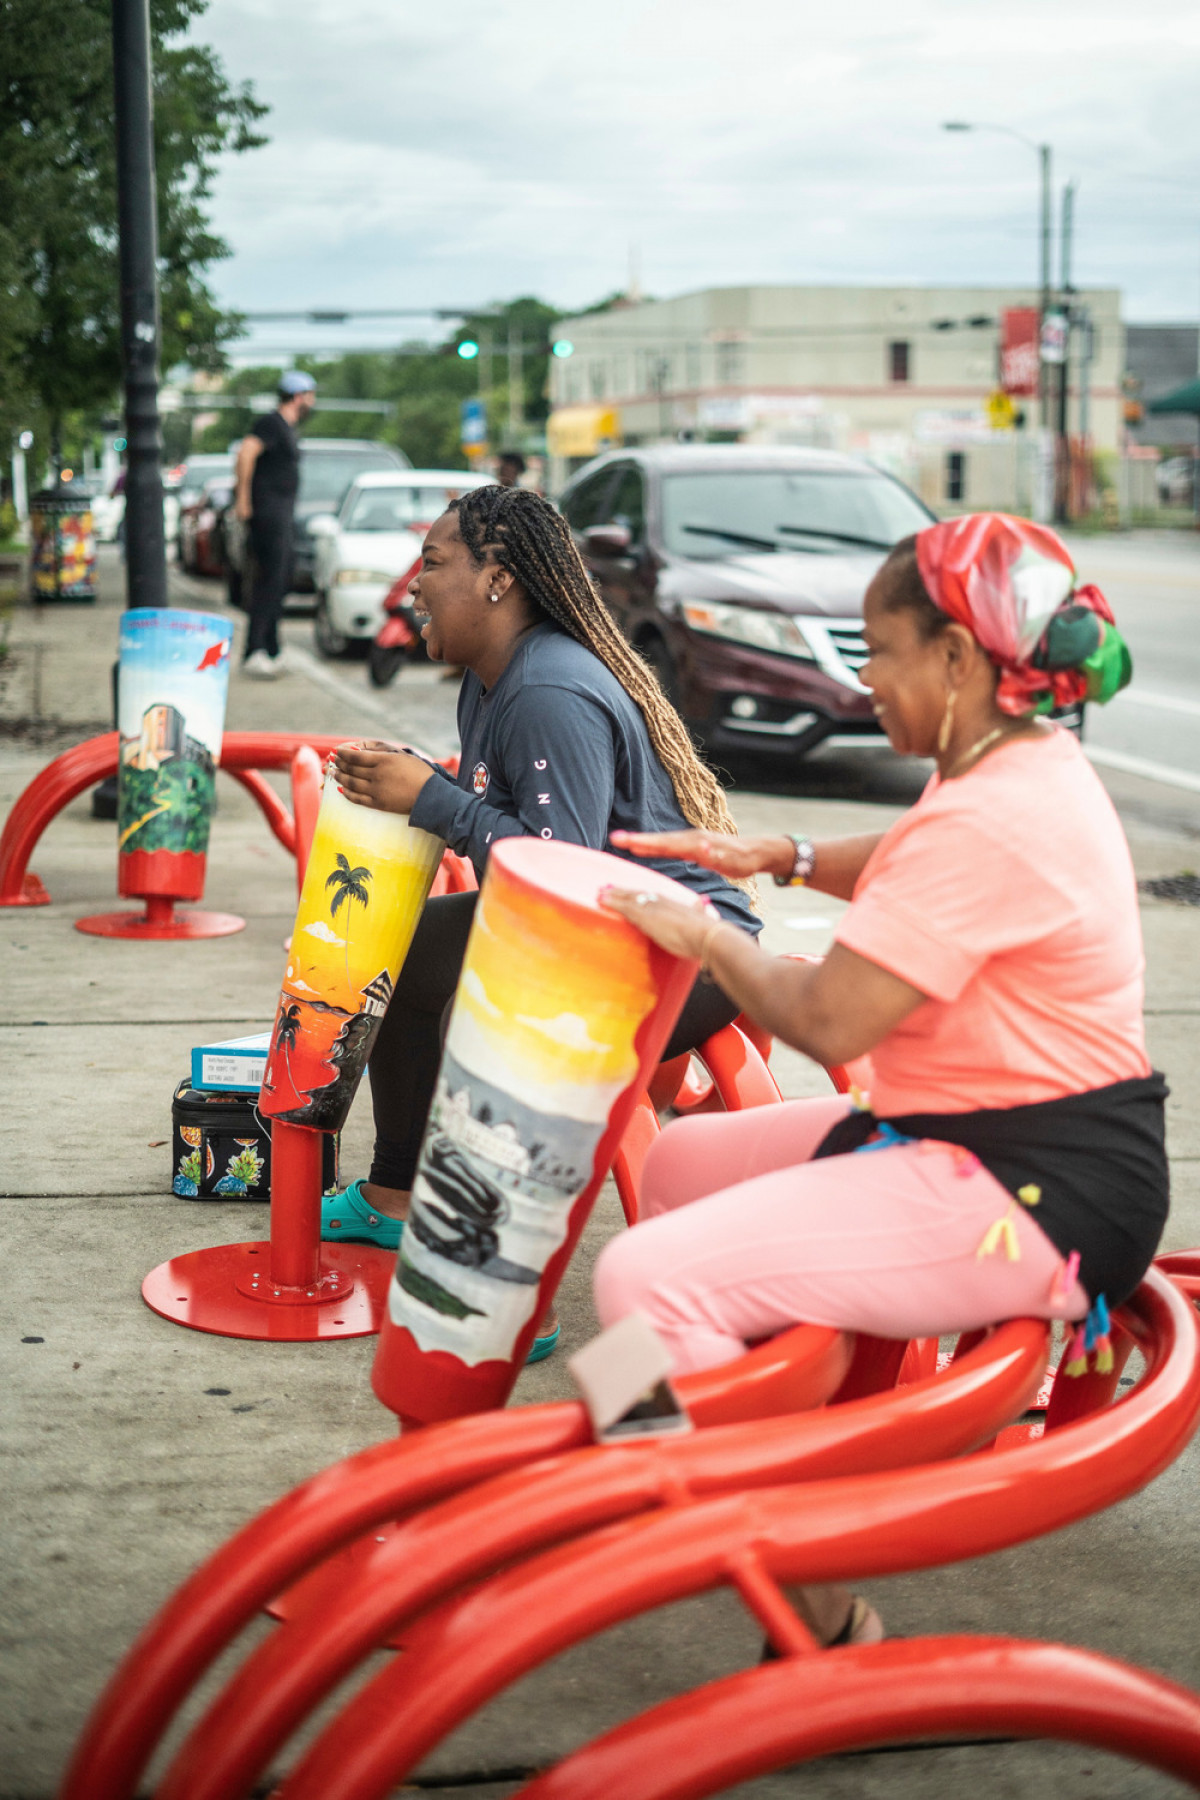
(134, 1447)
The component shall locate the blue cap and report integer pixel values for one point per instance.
(296, 382)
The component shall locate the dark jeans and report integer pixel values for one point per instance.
(270, 572)
(404, 1062)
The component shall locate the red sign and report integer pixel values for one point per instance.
(1019, 351)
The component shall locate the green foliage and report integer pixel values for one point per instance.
(59, 296)
(173, 802)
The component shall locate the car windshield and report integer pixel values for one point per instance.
(198, 469)
(326, 474)
(724, 512)
(398, 508)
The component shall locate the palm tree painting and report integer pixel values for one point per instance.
(285, 1036)
(350, 886)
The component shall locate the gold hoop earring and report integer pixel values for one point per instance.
(947, 725)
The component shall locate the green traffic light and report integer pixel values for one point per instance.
(468, 349)
(120, 444)
(562, 347)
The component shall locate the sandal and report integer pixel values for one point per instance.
(349, 1218)
(542, 1347)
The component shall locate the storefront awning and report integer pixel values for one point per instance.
(575, 431)
(1184, 400)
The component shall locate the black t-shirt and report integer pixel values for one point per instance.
(557, 749)
(277, 472)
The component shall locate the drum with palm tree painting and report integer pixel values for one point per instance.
(367, 880)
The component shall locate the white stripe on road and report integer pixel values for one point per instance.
(1139, 765)
(1164, 702)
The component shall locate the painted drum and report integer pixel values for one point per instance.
(171, 689)
(560, 1017)
(365, 887)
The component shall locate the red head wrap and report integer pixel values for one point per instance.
(1006, 580)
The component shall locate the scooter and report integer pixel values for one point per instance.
(395, 641)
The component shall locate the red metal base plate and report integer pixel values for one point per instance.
(216, 1290)
(183, 925)
(33, 893)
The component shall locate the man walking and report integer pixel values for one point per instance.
(268, 475)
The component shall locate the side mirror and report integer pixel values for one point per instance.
(322, 525)
(607, 540)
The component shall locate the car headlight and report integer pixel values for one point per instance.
(773, 631)
(362, 578)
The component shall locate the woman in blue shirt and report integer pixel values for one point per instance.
(565, 734)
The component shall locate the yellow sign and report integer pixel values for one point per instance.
(1002, 414)
(582, 430)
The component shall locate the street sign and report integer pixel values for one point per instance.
(1019, 351)
(1002, 414)
(1054, 337)
(473, 429)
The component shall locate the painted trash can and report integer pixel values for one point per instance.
(368, 877)
(62, 544)
(560, 1017)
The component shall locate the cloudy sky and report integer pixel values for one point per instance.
(463, 152)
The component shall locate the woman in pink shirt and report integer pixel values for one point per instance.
(1010, 1158)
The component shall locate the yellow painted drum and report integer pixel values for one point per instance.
(365, 887)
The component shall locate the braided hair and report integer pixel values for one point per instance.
(533, 542)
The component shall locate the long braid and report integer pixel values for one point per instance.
(526, 536)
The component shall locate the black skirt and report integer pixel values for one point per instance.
(1099, 1159)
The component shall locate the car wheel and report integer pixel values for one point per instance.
(383, 663)
(330, 642)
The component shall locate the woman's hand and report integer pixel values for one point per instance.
(672, 925)
(734, 857)
(382, 776)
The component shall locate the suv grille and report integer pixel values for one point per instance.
(838, 646)
(846, 636)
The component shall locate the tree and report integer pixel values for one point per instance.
(59, 294)
(349, 885)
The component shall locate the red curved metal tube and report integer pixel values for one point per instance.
(328, 1512)
(463, 1539)
(847, 1527)
(307, 769)
(279, 819)
(752, 1723)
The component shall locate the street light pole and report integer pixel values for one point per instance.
(1044, 233)
(145, 538)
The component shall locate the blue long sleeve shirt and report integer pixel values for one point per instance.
(557, 749)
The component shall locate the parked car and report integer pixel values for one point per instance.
(1174, 479)
(374, 539)
(108, 511)
(202, 527)
(739, 573)
(327, 467)
(188, 479)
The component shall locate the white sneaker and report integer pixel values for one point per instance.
(261, 667)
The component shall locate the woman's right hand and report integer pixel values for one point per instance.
(735, 857)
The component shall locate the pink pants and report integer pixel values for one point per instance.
(742, 1235)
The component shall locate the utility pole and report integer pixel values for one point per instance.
(1043, 151)
(1062, 485)
(145, 538)
(516, 386)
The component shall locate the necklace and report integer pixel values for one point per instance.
(976, 750)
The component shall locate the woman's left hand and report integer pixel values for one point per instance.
(669, 923)
(385, 779)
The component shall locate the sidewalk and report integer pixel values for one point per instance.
(135, 1447)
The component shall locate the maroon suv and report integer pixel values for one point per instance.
(739, 573)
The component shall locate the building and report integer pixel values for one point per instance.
(1158, 360)
(905, 376)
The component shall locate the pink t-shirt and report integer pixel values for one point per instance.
(1008, 897)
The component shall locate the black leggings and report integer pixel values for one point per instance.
(404, 1062)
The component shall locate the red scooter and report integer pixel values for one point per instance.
(397, 639)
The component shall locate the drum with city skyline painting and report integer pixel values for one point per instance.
(367, 880)
(171, 688)
(561, 1014)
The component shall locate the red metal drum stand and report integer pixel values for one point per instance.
(291, 1289)
(160, 920)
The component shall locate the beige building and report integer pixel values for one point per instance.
(901, 375)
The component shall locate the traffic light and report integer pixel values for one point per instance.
(120, 444)
(468, 349)
(562, 347)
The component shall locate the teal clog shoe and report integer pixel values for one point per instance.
(348, 1218)
(542, 1347)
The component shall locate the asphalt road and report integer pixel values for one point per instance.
(1153, 582)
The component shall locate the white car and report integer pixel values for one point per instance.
(374, 538)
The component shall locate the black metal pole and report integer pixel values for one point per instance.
(145, 538)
